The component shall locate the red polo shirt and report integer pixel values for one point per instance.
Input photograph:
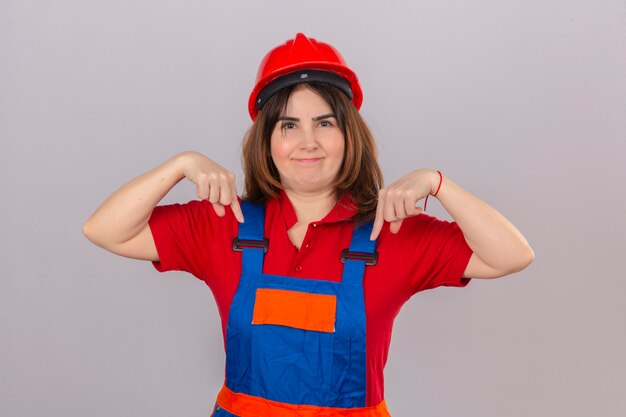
(425, 253)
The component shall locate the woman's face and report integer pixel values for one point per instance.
(307, 144)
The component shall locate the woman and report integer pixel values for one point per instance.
(311, 268)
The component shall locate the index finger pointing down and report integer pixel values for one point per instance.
(237, 210)
(378, 222)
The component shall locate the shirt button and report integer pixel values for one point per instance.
(306, 246)
(298, 268)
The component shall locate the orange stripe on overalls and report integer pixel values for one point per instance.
(247, 405)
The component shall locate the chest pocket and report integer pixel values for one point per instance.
(299, 310)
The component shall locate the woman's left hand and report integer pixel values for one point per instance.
(399, 200)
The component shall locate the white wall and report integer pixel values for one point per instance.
(522, 103)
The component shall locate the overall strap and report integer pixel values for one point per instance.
(362, 252)
(250, 238)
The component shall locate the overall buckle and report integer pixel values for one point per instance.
(240, 244)
(369, 258)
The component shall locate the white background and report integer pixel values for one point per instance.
(523, 103)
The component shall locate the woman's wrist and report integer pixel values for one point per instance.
(180, 162)
(435, 185)
(436, 180)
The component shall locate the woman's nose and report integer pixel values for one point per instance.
(308, 140)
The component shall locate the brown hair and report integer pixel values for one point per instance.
(359, 174)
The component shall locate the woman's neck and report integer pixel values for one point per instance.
(311, 207)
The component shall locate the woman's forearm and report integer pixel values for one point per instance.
(127, 211)
(494, 240)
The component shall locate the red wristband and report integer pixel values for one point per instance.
(436, 192)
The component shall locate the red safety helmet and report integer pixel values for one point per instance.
(300, 60)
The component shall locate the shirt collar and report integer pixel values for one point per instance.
(343, 210)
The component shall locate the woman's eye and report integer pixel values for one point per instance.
(326, 123)
(288, 125)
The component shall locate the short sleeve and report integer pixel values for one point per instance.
(435, 253)
(183, 234)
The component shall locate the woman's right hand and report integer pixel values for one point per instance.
(213, 182)
(121, 223)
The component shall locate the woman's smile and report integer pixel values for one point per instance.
(307, 160)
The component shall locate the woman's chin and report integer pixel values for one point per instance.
(309, 186)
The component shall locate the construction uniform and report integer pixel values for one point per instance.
(297, 344)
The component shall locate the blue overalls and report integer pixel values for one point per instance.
(278, 369)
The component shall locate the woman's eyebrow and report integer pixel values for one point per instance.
(289, 118)
(315, 119)
(324, 116)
